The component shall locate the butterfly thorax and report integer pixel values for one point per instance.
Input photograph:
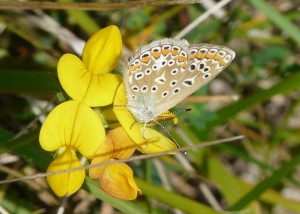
(142, 114)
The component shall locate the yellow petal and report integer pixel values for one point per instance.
(117, 145)
(73, 76)
(109, 115)
(117, 180)
(102, 90)
(157, 142)
(102, 51)
(152, 141)
(72, 124)
(132, 128)
(103, 154)
(122, 144)
(65, 183)
(82, 85)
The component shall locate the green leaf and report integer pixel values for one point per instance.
(4, 136)
(173, 199)
(266, 183)
(286, 85)
(230, 186)
(34, 83)
(124, 206)
(278, 19)
(237, 191)
(27, 146)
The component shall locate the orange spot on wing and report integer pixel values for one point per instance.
(145, 59)
(134, 68)
(192, 56)
(200, 55)
(222, 62)
(131, 68)
(165, 52)
(218, 57)
(174, 52)
(181, 59)
(156, 55)
(209, 56)
(185, 65)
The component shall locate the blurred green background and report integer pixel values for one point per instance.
(258, 174)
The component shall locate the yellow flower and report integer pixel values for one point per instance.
(65, 183)
(117, 179)
(88, 80)
(148, 140)
(73, 126)
(69, 127)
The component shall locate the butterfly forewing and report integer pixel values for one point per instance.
(165, 72)
(205, 62)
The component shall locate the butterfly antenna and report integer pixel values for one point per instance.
(169, 134)
(176, 111)
(181, 110)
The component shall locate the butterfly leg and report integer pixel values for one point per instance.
(144, 129)
(132, 125)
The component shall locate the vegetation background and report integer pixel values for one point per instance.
(257, 97)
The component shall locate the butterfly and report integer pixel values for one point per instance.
(161, 74)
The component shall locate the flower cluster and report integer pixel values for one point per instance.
(74, 127)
